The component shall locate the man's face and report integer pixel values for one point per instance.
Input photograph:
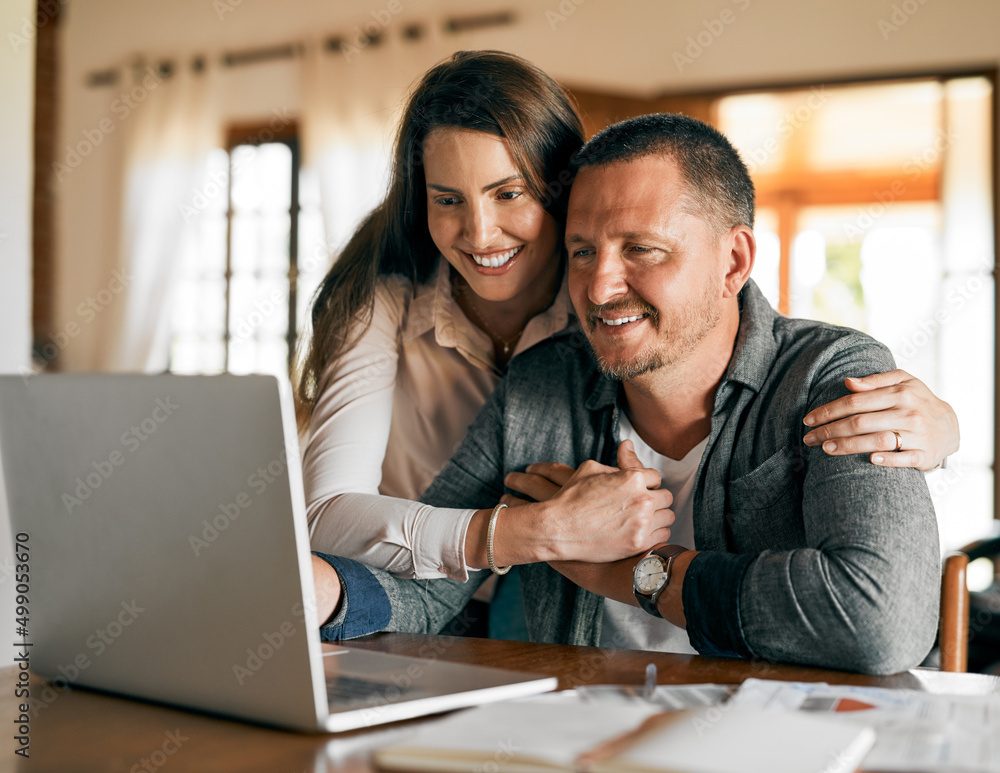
(645, 275)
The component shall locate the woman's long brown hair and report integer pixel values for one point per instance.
(488, 91)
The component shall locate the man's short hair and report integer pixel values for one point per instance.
(721, 191)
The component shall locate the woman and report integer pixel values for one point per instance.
(453, 274)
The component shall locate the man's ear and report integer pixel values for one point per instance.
(742, 252)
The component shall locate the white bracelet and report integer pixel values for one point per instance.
(489, 541)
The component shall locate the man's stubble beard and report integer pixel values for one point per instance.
(671, 346)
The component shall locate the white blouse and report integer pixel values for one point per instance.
(391, 413)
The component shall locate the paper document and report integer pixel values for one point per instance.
(666, 697)
(915, 730)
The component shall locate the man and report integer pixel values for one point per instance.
(776, 549)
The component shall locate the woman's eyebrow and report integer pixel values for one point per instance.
(491, 186)
(504, 181)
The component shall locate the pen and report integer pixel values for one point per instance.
(650, 686)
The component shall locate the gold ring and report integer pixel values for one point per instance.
(899, 442)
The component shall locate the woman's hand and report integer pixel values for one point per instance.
(882, 405)
(594, 513)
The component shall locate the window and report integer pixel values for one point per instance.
(875, 212)
(241, 300)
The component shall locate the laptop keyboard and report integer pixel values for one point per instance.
(351, 690)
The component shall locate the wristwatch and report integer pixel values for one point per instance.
(652, 575)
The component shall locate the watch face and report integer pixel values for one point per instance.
(649, 574)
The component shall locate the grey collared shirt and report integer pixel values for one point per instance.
(804, 557)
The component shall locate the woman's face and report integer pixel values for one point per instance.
(482, 218)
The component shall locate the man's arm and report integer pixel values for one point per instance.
(863, 592)
(864, 595)
(355, 600)
(850, 605)
(860, 594)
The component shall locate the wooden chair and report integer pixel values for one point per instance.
(954, 636)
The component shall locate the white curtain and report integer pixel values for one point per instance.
(166, 150)
(352, 100)
(349, 112)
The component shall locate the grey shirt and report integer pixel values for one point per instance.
(805, 557)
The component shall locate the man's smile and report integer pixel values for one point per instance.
(620, 313)
(615, 321)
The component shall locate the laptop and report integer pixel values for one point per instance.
(164, 522)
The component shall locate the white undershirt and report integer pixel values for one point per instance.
(628, 627)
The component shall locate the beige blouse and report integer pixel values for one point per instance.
(392, 412)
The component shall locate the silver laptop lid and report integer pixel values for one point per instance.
(121, 481)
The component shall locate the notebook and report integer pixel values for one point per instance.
(164, 522)
(564, 734)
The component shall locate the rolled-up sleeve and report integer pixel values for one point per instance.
(714, 580)
(364, 605)
(373, 600)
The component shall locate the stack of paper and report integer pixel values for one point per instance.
(915, 730)
(574, 734)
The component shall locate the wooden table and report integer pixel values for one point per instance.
(82, 731)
